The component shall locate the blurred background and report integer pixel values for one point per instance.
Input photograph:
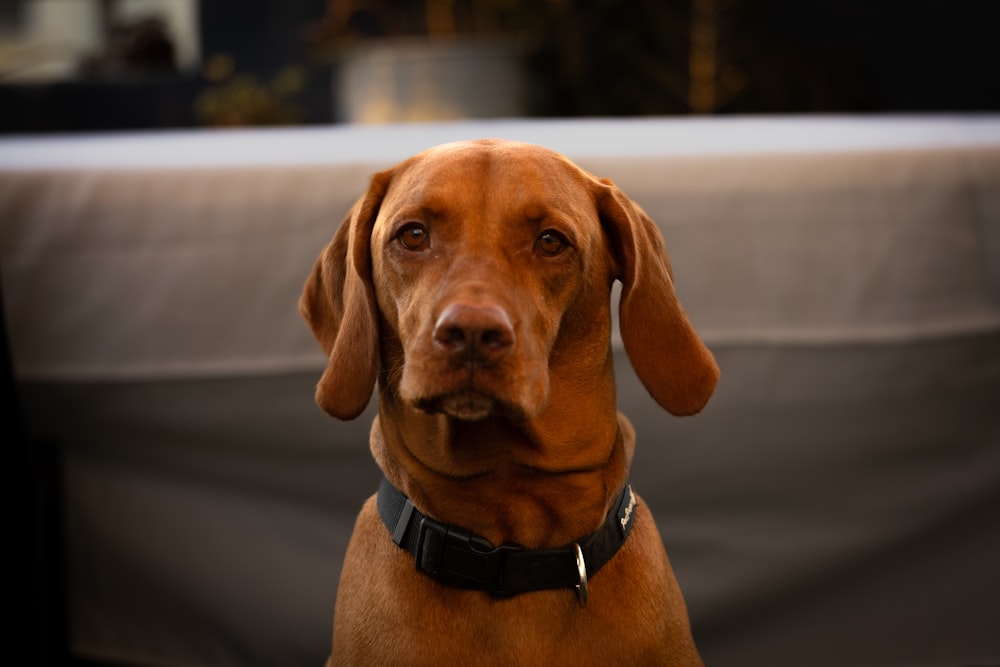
(91, 65)
(826, 174)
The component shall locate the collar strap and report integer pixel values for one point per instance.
(456, 557)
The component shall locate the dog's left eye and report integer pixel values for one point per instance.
(550, 243)
(413, 236)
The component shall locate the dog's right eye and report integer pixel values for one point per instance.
(551, 243)
(413, 236)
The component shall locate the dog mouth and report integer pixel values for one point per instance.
(468, 405)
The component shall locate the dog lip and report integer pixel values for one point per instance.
(469, 405)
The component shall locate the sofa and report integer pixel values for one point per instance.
(836, 504)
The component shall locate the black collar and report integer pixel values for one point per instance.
(456, 557)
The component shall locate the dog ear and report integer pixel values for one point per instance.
(338, 303)
(670, 359)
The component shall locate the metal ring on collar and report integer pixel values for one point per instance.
(582, 592)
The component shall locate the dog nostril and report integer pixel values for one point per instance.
(450, 336)
(494, 338)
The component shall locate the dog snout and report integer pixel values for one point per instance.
(473, 335)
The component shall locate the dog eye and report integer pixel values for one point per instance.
(550, 243)
(413, 236)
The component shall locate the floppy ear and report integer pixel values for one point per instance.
(673, 363)
(338, 303)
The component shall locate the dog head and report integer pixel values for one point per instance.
(473, 280)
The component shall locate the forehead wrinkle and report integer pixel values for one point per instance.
(439, 180)
(487, 180)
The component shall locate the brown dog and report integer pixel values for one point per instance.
(473, 282)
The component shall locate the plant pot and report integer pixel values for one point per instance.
(418, 79)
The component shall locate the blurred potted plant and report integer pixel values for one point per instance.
(233, 99)
(420, 60)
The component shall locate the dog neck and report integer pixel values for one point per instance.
(491, 476)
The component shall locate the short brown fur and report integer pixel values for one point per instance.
(515, 436)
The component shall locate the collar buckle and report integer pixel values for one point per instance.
(582, 590)
(457, 557)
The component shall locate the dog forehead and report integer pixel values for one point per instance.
(492, 172)
(487, 149)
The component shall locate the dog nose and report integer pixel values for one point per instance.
(474, 335)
